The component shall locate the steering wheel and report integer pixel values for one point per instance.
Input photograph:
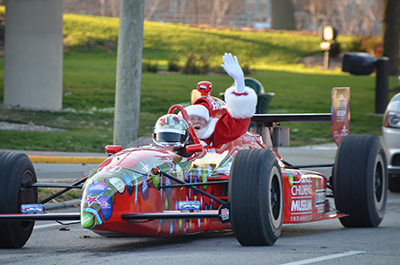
(185, 116)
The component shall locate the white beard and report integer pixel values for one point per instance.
(207, 131)
(201, 132)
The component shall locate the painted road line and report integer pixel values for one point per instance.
(324, 258)
(66, 159)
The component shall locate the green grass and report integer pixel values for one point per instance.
(89, 73)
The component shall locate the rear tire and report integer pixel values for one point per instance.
(394, 183)
(255, 194)
(360, 181)
(15, 169)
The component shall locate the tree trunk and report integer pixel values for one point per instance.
(282, 15)
(391, 34)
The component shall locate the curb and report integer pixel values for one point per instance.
(66, 159)
(61, 157)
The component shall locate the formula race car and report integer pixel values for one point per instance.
(244, 185)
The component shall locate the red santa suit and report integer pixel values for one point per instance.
(233, 123)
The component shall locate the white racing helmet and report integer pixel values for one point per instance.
(171, 130)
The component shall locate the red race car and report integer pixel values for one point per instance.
(243, 185)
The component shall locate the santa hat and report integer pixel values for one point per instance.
(198, 110)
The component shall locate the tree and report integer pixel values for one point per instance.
(282, 15)
(391, 34)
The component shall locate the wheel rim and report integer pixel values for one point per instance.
(275, 195)
(27, 195)
(379, 182)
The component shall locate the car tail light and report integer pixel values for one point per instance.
(392, 119)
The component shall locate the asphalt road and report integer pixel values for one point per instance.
(325, 242)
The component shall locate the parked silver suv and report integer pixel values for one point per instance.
(391, 140)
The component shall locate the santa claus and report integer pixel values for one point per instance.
(240, 101)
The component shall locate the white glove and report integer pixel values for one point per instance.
(232, 67)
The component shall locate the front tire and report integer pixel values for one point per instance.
(255, 194)
(360, 180)
(15, 169)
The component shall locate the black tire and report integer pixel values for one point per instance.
(255, 194)
(360, 180)
(394, 183)
(15, 169)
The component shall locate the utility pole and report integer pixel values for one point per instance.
(129, 72)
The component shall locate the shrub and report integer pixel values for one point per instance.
(149, 66)
(80, 39)
(196, 64)
(372, 45)
(247, 66)
(173, 65)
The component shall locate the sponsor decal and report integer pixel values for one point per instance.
(87, 220)
(105, 206)
(320, 197)
(145, 187)
(97, 187)
(130, 185)
(156, 181)
(95, 214)
(189, 205)
(109, 170)
(301, 190)
(168, 182)
(301, 218)
(118, 184)
(180, 224)
(251, 138)
(225, 214)
(301, 205)
(92, 199)
(291, 178)
(32, 208)
(218, 105)
(210, 150)
(171, 228)
(146, 168)
(166, 204)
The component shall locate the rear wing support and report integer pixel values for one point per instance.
(274, 136)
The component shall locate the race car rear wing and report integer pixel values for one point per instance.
(274, 136)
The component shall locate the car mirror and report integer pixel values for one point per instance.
(193, 148)
(113, 149)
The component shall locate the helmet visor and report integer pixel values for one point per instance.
(170, 138)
